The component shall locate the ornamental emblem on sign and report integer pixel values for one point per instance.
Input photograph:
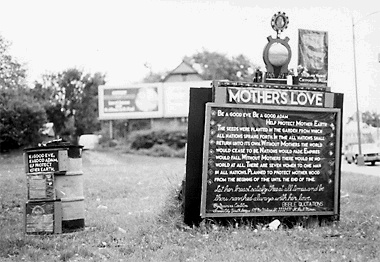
(277, 52)
(279, 22)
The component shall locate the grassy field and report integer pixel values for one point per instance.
(131, 215)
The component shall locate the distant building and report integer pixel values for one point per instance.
(149, 105)
(183, 73)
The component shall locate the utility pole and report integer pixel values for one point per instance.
(360, 157)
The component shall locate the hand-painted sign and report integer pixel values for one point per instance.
(42, 161)
(266, 161)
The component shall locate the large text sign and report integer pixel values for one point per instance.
(265, 161)
(277, 97)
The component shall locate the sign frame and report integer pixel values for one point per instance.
(336, 203)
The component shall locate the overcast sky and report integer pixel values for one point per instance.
(118, 37)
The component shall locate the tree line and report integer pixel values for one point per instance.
(69, 99)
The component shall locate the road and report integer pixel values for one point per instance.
(364, 170)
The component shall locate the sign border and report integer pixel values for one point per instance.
(209, 106)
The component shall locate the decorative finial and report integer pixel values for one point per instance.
(279, 22)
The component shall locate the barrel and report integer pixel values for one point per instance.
(72, 214)
(69, 189)
(55, 186)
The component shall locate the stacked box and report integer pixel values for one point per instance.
(55, 190)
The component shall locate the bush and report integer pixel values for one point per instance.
(175, 138)
(162, 151)
(21, 119)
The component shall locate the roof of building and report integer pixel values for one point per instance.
(184, 68)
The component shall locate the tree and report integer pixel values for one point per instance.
(217, 66)
(154, 77)
(371, 118)
(87, 111)
(12, 73)
(71, 101)
(21, 117)
(214, 66)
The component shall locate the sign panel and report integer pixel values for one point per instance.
(270, 161)
(278, 97)
(41, 186)
(176, 97)
(140, 101)
(42, 161)
(147, 100)
(313, 56)
(40, 217)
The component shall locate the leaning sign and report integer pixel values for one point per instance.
(270, 150)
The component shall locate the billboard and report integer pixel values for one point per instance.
(148, 100)
(130, 102)
(176, 97)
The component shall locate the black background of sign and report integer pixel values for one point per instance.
(327, 160)
(192, 185)
(32, 156)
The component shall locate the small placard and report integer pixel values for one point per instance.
(40, 217)
(41, 186)
(44, 161)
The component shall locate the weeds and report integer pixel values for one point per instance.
(134, 213)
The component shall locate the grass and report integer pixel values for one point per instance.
(132, 214)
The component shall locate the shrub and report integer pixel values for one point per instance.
(21, 119)
(158, 151)
(175, 138)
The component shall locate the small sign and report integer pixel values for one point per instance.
(42, 161)
(41, 186)
(40, 217)
(43, 217)
(46, 161)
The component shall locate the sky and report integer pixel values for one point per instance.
(118, 38)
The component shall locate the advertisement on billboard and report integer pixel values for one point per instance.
(130, 102)
(148, 100)
(176, 97)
